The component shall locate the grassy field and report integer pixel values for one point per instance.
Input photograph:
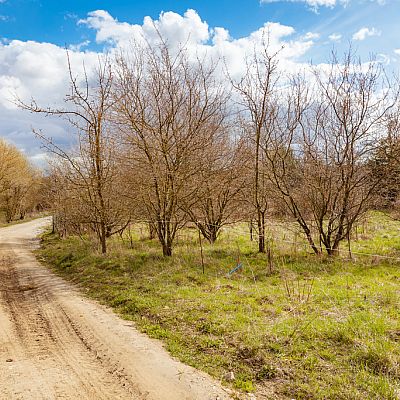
(309, 329)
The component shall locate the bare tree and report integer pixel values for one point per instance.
(216, 197)
(257, 90)
(322, 143)
(91, 170)
(168, 111)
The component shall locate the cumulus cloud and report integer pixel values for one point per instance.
(189, 30)
(365, 32)
(173, 27)
(220, 35)
(35, 70)
(40, 70)
(397, 51)
(107, 28)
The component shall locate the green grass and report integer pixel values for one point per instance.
(313, 329)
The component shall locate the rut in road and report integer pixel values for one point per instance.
(47, 346)
(56, 344)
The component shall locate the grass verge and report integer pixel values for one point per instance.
(311, 329)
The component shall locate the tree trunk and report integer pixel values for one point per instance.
(103, 238)
(213, 235)
(334, 250)
(167, 249)
(165, 237)
(209, 231)
(310, 240)
(261, 231)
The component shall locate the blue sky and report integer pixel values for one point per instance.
(56, 21)
(33, 34)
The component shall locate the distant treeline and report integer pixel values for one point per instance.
(21, 185)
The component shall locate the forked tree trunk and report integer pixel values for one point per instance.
(166, 237)
(213, 235)
(167, 250)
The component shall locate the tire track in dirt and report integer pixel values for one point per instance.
(47, 342)
(54, 344)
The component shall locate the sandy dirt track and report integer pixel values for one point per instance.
(55, 344)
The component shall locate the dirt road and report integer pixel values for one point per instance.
(54, 344)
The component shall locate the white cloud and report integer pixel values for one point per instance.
(177, 30)
(383, 58)
(37, 69)
(220, 35)
(107, 28)
(365, 32)
(335, 37)
(311, 36)
(40, 70)
(397, 51)
(173, 27)
(198, 37)
(79, 46)
(314, 4)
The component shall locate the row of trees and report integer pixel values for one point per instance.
(164, 138)
(20, 183)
